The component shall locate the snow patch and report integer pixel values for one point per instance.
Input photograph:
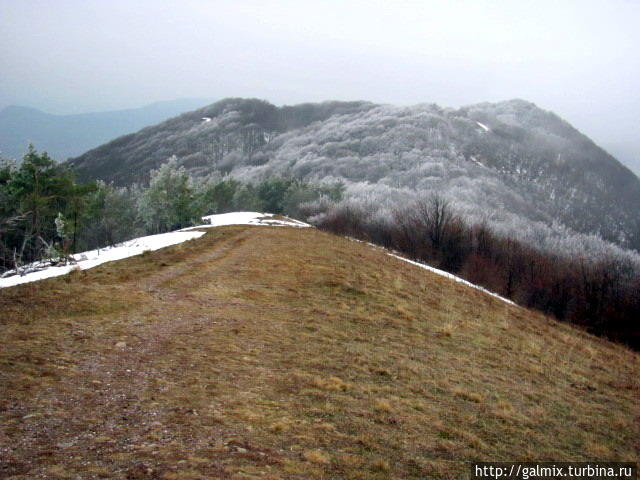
(93, 258)
(483, 126)
(130, 248)
(437, 271)
(475, 160)
(206, 119)
(452, 277)
(247, 218)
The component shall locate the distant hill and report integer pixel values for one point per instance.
(511, 163)
(218, 138)
(64, 136)
(282, 353)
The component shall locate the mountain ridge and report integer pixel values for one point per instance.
(509, 160)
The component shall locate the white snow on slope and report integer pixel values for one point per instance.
(249, 218)
(452, 277)
(483, 126)
(93, 258)
(437, 271)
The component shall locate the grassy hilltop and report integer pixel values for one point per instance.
(281, 353)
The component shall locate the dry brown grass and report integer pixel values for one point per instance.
(259, 352)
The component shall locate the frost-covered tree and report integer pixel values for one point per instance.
(62, 232)
(111, 216)
(216, 195)
(169, 202)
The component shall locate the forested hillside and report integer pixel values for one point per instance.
(523, 169)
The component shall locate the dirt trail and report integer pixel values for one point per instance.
(106, 391)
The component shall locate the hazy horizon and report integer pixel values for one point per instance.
(576, 58)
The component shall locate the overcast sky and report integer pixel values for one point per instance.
(578, 58)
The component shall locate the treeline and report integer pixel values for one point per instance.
(601, 294)
(46, 215)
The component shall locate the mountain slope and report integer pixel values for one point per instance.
(64, 136)
(206, 140)
(510, 162)
(287, 353)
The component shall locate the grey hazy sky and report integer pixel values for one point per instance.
(578, 58)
